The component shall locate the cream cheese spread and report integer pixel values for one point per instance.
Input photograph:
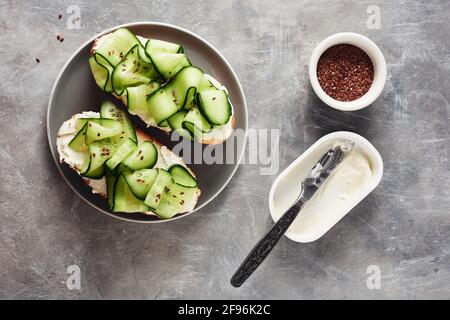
(334, 198)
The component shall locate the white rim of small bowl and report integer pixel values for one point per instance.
(379, 67)
(151, 24)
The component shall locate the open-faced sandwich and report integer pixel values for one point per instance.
(157, 82)
(126, 166)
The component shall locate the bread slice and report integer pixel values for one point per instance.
(74, 159)
(216, 136)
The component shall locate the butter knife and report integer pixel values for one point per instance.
(315, 178)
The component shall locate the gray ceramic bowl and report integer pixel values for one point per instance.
(75, 91)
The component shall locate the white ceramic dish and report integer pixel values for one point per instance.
(286, 186)
(379, 67)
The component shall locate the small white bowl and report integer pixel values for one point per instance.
(286, 186)
(379, 67)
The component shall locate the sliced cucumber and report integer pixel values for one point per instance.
(78, 143)
(215, 106)
(164, 124)
(176, 124)
(182, 176)
(141, 181)
(124, 199)
(99, 153)
(132, 71)
(121, 169)
(110, 183)
(193, 131)
(195, 119)
(110, 111)
(168, 58)
(122, 152)
(174, 199)
(85, 164)
(168, 64)
(183, 86)
(144, 156)
(163, 179)
(161, 106)
(95, 174)
(97, 132)
(116, 45)
(144, 56)
(176, 121)
(139, 72)
(102, 71)
(137, 99)
(162, 46)
(108, 123)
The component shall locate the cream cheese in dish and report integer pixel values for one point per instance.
(337, 194)
(357, 175)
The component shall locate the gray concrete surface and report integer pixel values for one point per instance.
(403, 226)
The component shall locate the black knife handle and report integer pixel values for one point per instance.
(265, 245)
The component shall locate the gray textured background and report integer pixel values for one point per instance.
(403, 226)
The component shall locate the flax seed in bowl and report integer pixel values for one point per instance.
(347, 71)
